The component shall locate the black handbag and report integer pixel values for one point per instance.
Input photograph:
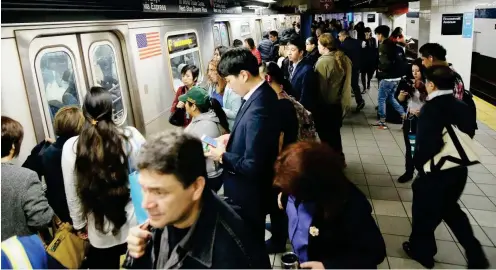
(177, 117)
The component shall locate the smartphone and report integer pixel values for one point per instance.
(209, 140)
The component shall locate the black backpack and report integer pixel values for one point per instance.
(467, 97)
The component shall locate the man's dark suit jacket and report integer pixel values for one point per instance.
(250, 154)
(303, 83)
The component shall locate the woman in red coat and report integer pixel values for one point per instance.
(250, 44)
(189, 78)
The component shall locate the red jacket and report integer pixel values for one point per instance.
(180, 91)
(256, 53)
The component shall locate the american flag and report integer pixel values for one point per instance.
(148, 45)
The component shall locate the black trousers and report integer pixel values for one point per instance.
(107, 258)
(278, 221)
(435, 198)
(355, 74)
(367, 75)
(409, 127)
(328, 122)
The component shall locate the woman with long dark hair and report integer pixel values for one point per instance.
(312, 50)
(219, 51)
(330, 221)
(415, 95)
(207, 118)
(96, 165)
(250, 45)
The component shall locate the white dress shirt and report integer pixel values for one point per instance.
(438, 93)
(250, 93)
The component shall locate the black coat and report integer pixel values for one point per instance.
(370, 55)
(265, 47)
(351, 239)
(353, 49)
(54, 179)
(219, 239)
(434, 116)
(312, 57)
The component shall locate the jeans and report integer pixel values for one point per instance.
(387, 89)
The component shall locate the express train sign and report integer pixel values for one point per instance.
(192, 6)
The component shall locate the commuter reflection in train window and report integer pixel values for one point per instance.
(105, 75)
(58, 81)
(179, 62)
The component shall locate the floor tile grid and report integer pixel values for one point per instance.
(399, 140)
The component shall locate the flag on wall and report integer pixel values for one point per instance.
(148, 45)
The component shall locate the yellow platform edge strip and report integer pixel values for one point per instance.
(486, 112)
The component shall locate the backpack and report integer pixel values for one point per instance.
(467, 97)
(306, 125)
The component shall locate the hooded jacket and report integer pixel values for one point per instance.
(207, 124)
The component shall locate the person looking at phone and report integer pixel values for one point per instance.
(191, 227)
(207, 118)
(248, 153)
(415, 96)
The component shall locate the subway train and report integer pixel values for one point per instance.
(48, 65)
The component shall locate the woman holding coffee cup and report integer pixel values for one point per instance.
(330, 221)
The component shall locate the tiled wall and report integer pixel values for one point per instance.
(459, 48)
(485, 32)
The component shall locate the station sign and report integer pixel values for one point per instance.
(192, 6)
(452, 24)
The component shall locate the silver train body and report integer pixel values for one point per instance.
(46, 66)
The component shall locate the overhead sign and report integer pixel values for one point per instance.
(326, 5)
(192, 6)
(182, 42)
(452, 24)
(468, 24)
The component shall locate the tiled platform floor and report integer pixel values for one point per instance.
(376, 159)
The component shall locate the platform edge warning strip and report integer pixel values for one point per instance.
(486, 112)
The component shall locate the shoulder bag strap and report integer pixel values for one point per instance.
(457, 143)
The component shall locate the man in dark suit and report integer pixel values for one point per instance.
(301, 74)
(249, 152)
(436, 193)
(353, 49)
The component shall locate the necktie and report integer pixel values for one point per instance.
(242, 102)
(291, 69)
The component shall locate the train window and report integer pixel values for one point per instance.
(57, 79)
(104, 73)
(224, 35)
(183, 50)
(217, 40)
(245, 29)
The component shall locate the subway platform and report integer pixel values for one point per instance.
(375, 160)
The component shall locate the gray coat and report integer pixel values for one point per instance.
(207, 124)
(24, 206)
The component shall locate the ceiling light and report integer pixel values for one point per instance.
(254, 7)
(266, 1)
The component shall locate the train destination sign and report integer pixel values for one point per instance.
(192, 6)
(181, 42)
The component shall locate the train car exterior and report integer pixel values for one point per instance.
(49, 65)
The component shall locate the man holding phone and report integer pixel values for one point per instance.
(189, 226)
(249, 152)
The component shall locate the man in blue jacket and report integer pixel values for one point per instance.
(249, 152)
(301, 74)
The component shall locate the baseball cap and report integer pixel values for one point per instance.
(196, 95)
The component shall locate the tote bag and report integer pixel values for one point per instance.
(136, 192)
(66, 247)
(458, 151)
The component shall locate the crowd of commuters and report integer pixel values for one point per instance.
(246, 128)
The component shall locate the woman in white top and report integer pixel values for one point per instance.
(416, 96)
(95, 166)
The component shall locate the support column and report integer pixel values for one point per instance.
(306, 23)
(424, 22)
